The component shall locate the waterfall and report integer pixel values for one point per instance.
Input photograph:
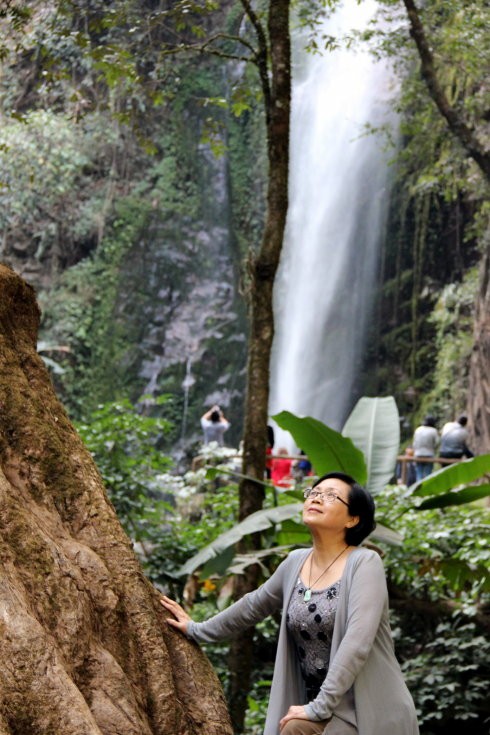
(339, 192)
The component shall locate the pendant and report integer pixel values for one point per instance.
(307, 595)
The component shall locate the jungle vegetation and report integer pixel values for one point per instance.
(143, 170)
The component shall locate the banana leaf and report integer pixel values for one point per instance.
(327, 450)
(452, 476)
(374, 427)
(456, 497)
(258, 521)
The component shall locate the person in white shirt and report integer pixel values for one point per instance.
(425, 441)
(214, 425)
(454, 436)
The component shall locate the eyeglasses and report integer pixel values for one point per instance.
(328, 496)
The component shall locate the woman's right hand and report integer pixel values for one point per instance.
(181, 619)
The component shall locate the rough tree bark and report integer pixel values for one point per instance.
(84, 646)
(276, 86)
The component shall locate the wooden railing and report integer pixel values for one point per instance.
(404, 459)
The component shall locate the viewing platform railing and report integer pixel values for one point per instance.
(404, 459)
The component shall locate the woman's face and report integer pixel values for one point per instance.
(328, 510)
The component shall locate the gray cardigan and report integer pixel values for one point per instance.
(362, 655)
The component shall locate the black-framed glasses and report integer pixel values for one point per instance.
(325, 496)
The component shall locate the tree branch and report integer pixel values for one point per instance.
(236, 39)
(458, 126)
(261, 58)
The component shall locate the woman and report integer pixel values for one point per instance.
(335, 671)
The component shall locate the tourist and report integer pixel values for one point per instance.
(281, 468)
(405, 470)
(335, 670)
(425, 441)
(302, 467)
(268, 451)
(214, 425)
(454, 437)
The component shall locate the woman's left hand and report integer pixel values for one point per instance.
(293, 713)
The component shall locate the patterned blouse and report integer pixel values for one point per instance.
(311, 626)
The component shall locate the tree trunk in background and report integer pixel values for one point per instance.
(479, 380)
(84, 646)
(262, 270)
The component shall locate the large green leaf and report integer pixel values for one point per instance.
(327, 450)
(374, 427)
(453, 476)
(259, 521)
(456, 497)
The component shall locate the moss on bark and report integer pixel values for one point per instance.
(84, 644)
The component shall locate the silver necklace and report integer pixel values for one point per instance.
(307, 592)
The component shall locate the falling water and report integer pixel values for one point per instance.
(187, 384)
(339, 181)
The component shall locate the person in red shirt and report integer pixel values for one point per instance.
(281, 469)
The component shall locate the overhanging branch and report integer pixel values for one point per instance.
(458, 126)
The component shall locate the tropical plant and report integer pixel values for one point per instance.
(124, 444)
(367, 450)
(448, 486)
(373, 423)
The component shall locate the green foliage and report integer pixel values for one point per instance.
(367, 448)
(444, 554)
(452, 319)
(42, 159)
(438, 208)
(254, 523)
(199, 511)
(14, 15)
(124, 444)
(448, 675)
(82, 314)
(443, 564)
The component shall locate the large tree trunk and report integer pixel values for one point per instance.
(262, 270)
(479, 382)
(84, 645)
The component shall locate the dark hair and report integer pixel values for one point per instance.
(215, 416)
(463, 420)
(361, 504)
(429, 421)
